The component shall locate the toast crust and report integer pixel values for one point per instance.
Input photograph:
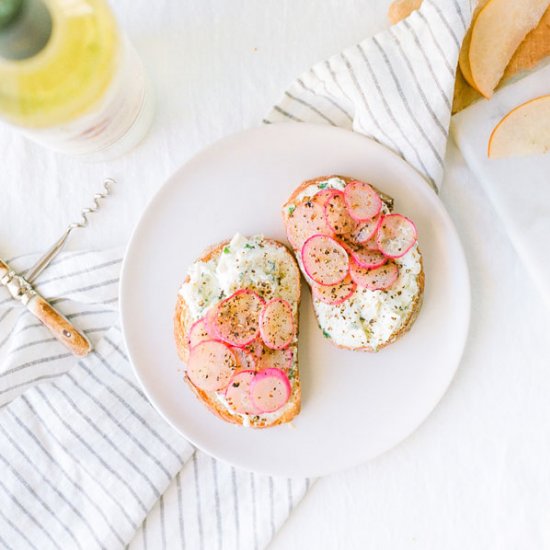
(182, 324)
(420, 278)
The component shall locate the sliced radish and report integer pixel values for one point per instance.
(236, 320)
(322, 196)
(211, 365)
(199, 332)
(371, 244)
(277, 324)
(335, 294)
(396, 235)
(365, 231)
(245, 359)
(380, 278)
(270, 390)
(336, 214)
(364, 256)
(209, 318)
(237, 393)
(276, 359)
(325, 260)
(307, 219)
(362, 200)
(256, 347)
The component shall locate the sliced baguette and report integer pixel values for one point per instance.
(416, 304)
(183, 321)
(534, 48)
(498, 30)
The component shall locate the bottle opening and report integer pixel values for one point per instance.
(25, 28)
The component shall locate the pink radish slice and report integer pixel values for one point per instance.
(396, 235)
(362, 200)
(245, 359)
(307, 219)
(365, 231)
(336, 214)
(371, 244)
(270, 390)
(380, 278)
(256, 347)
(321, 197)
(325, 260)
(209, 318)
(199, 332)
(237, 393)
(336, 294)
(276, 359)
(364, 256)
(236, 320)
(211, 365)
(277, 324)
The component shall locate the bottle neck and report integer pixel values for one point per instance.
(25, 28)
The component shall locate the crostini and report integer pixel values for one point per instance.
(236, 330)
(361, 261)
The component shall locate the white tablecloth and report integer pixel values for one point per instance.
(476, 474)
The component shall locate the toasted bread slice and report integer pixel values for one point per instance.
(282, 281)
(368, 320)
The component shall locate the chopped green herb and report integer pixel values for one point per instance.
(291, 210)
(326, 334)
(322, 185)
(367, 329)
(226, 250)
(249, 246)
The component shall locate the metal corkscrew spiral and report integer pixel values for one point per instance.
(96, 206)
(45, 260)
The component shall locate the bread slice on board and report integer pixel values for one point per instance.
(532, 51)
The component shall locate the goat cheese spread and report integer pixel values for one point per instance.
(369, 317)
(254, 263)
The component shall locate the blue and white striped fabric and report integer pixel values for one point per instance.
(86, 461)
(395, 87)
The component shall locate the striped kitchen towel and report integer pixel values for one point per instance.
(86, 461)
(395, 87)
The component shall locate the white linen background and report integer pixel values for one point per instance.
(475, 474)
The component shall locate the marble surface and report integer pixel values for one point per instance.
(476, 474)
(518, 186)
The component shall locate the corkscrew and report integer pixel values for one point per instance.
(20, 287)
(56, 248)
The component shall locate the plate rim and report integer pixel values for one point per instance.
(196, 158)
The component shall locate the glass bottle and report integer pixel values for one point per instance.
(69, 78)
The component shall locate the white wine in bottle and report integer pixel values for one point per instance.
(69, 79)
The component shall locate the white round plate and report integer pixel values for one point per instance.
(355, 405)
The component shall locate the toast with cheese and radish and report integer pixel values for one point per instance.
(236, 330)
(361, 260)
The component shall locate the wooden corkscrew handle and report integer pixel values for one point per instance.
(59, 326)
